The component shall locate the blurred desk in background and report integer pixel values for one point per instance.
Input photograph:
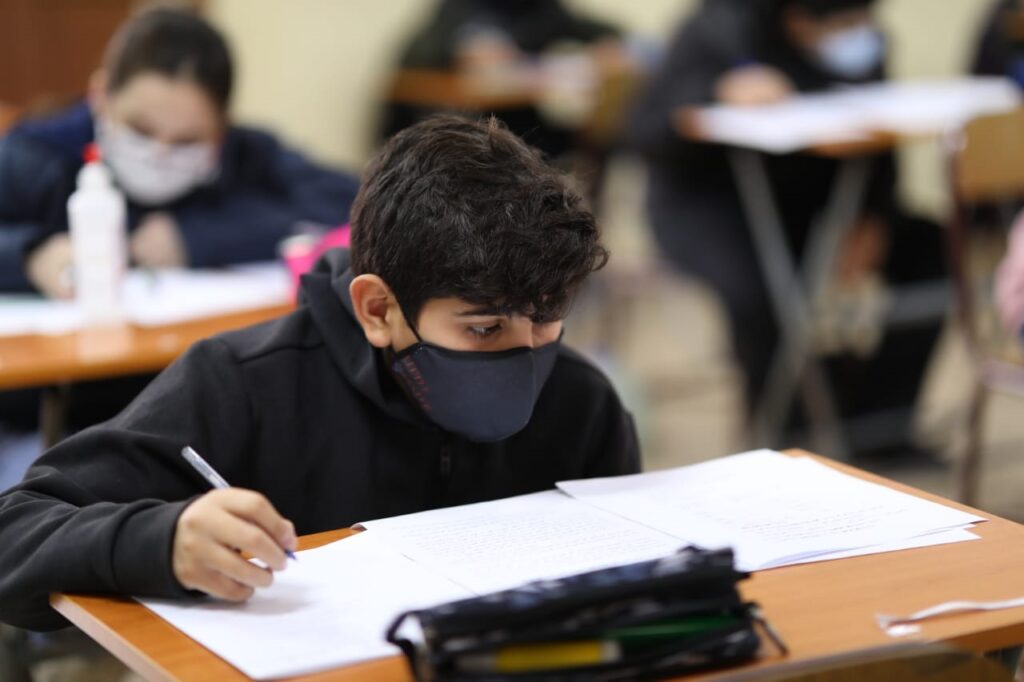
(588, 97)
(53, 362)
(45, 360)
(46, 344)
(850, 124)
(438, 89)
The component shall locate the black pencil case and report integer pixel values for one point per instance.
(692, 590)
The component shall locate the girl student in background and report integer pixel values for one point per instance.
(201, 192)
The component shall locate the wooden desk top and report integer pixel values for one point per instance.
(40, 360)
(819, 609)
(453, 90)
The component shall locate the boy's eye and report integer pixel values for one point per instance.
(483, 332)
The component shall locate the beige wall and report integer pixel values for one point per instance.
(313, 69)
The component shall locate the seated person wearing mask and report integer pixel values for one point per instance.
(422, 369)
(201, 192)
(750, 52)
(492, 35)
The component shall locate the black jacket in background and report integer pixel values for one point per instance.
(533, 26)
(301, 409)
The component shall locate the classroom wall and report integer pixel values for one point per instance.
(313, 69)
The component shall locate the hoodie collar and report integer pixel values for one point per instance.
(325, 293)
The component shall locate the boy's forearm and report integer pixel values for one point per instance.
(47, 545)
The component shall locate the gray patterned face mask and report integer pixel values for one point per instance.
(484, 396)
(152, 173)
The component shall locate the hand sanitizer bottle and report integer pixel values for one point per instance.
(97, 222)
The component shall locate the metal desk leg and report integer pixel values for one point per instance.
(53, 408)
(795, 364)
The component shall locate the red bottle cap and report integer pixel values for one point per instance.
(91, 153)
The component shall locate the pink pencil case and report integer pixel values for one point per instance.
(301, 252)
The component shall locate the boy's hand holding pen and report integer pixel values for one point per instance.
(213, 530)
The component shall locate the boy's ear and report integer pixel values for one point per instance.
(97, 91)
(372, 301)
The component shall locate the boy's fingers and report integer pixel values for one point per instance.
(255, 508)
(233, 532)
(218, 585)
(233, 566)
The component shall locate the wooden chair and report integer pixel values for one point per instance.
(986, 167)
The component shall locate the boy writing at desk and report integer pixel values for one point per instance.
(422, 370)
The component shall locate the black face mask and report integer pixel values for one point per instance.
(484, 396)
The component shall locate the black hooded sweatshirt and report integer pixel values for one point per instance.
(302, 409)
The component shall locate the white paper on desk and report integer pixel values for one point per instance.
(930, 106)
(795, 124)
(855, 112)
(330, 608)
(771, 509)
(497, 545)
(172, 296)
(942, 537)
(157, 298)
(33, 314)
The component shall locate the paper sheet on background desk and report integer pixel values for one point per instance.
(772, 509)
(330, 608)
(926, 107)
(157, 298)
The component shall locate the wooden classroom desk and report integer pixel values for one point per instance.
(446, 89)
(819, 609)
(42, 360)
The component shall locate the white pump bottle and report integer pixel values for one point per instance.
(98, 227)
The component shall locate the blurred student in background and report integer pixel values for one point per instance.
(750, 52)
(201, 192)
(501, 37)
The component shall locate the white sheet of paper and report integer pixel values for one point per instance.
(157, 298)
(772, 509)
(497, 545)
(329, 608)
(926, 107)
(942, 537)
(171, 296)
(33, 314)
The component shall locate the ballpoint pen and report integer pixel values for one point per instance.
(211, 475)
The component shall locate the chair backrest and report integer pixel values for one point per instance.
(988, 161)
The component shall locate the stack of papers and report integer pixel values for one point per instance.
(331, 607)
(855, 113)
(158, 297)
(775, 510)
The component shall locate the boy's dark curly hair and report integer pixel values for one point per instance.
(453, 207)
